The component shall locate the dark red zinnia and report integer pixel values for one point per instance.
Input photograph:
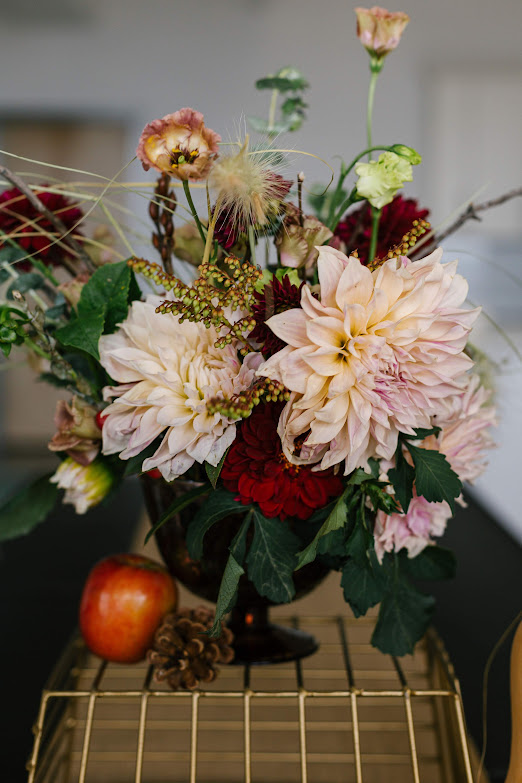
(276, 297)
(256, 470)
(397, 218)
(18, 217)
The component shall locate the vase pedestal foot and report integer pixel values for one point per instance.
(258, 641)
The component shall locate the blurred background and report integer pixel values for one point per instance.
(79, 80)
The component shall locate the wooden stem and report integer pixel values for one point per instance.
(471, 213)
(515, 764)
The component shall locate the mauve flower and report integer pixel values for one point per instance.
(180, 145)
(85, 485)
(78, 434)
(412, 531)
(31, 230)
(257, 471)
(298, 237)
(168, 372)
(380, 30)
(397, 218)
(374, 357)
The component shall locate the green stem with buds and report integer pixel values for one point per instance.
(192, 208)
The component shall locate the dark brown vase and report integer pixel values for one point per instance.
(257, 640)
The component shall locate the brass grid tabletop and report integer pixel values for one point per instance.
(347, 713)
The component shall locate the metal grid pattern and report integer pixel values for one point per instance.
(347, 713)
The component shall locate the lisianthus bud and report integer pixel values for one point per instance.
(380, 179)
(299, 237)
(380, 30)
(77, 432)
(411, 155)
(85, 485)
(180, 145)
(188, 244)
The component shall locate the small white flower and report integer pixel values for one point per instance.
(85, 485)
(379, 180)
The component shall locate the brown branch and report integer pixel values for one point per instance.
(52, 218)
(471, 213)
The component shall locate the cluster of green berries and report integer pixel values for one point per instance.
(240, 406)
(409, 240)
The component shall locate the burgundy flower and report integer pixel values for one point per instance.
(30, 230)
(396, 220)
(277, 296)
(256, 470)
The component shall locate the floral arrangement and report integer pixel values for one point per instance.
(314, 377)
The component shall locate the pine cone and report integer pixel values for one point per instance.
(183, 655)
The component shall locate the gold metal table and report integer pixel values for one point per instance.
(347, 713)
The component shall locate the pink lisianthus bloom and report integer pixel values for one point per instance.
(373, 357)
(412, 531)
(180, 145)
(168, 371)
(380, 30)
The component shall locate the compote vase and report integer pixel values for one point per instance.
(256, 639)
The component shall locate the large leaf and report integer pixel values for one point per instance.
(220, 504)
(103, 304)
(402, 477)
(178, 504)
(434, 562)
(335, 520)
(107, 292)
(233, 572)
(272, 558)
(28, 508)
(363, 584)
(83, 333)
(404, 616)
(434, 478)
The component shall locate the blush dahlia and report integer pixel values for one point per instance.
(256, 470)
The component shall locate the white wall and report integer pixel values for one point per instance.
(136, 61)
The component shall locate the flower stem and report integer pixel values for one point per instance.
(369, 112)
(210, 232)
(376, 216)
(192, 208)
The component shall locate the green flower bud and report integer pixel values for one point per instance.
(411, 155)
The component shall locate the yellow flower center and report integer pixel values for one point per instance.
(179, 156)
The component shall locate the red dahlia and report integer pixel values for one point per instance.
(276, 297)
(396, 220)
(257, 470)
(30, 229)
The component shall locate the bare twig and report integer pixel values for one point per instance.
(471, 212)
(52, 218)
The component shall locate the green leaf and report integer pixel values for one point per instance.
(107, 292)
(434, 478)
(233, 572)
(220, 504)
(262, 126)
(213, 471)
(363, 584)
(335, 520)
(134, 289)
(83, 333)
(281, 83)
(421, 433)
(359, 543)
(227, 592)
(272, 558)
(402, 477)
(28, 508)
(434, 562)
(404, 616)
(177, 505)
(294, 104)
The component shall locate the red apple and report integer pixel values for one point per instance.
(123, 602)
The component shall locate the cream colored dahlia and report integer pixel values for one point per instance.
(373, 357)
(169, 371)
